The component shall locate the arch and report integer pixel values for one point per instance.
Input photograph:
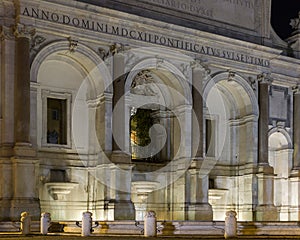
(88, 62)
(154, 63)
(282, 136)
(239, 82)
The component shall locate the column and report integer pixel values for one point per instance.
(24, 162)
(120, 205)
(7, 46)
(263, 122)
(198, 208)
(295, 174)
(120, 147)
(296, 128)
(265, 209)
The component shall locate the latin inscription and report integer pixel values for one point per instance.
(235, 12)
(143, 36)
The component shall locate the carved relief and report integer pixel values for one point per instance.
(264, 78)
(37, 41)
(252, 83)
(21, 30)
(142, 84)
(103, 53)
(231, 75)
(73, 44)
(295, 22)
(198, 63)
(6, 33)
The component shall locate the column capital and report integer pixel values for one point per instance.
(264, 78)
(6, 33)
(21, 30)
(296, 89)
(199, 64)
(117, 48)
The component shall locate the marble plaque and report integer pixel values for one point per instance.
(235, 12)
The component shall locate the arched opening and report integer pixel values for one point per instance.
(280, 158)
(230, 133)
(160, 136)
(69, 99)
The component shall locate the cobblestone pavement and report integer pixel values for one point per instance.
(10, 236)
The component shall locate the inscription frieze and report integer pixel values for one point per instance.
(142, 35)
(235, 12)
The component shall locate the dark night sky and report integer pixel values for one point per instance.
(282, 12)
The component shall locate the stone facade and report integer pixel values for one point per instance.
(220, 89)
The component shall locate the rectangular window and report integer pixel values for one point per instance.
(57, 121)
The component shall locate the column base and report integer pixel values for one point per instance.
(121, 210)
(200, 212)
(266, 213)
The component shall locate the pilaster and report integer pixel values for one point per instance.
(198, 207)
(120, 206)
(264, 209)
(120, 113)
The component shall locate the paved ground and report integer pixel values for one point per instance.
(11, 236)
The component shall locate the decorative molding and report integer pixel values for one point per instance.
(296, 89)
(198, 63)
(6, 33)
(141, 84)
(252, 83)
(103, 53)
(185, 69)
(21, 31)
(117, 48)
(231, 75)
(73, 44)
(37, 41)
(159, 62)
(264, 78)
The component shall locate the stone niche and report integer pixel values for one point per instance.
(233, 18)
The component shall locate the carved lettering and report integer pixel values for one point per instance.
(144, 36)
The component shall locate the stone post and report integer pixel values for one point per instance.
(25, 223)
(150, 224)
(198, 207)
(230, 225)
(86, 228)
(265, 209)
(45, 222)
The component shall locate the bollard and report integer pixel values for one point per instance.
(230, 225)
(25, 223)
(86, 228)
(45, 223)
(150, 224)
